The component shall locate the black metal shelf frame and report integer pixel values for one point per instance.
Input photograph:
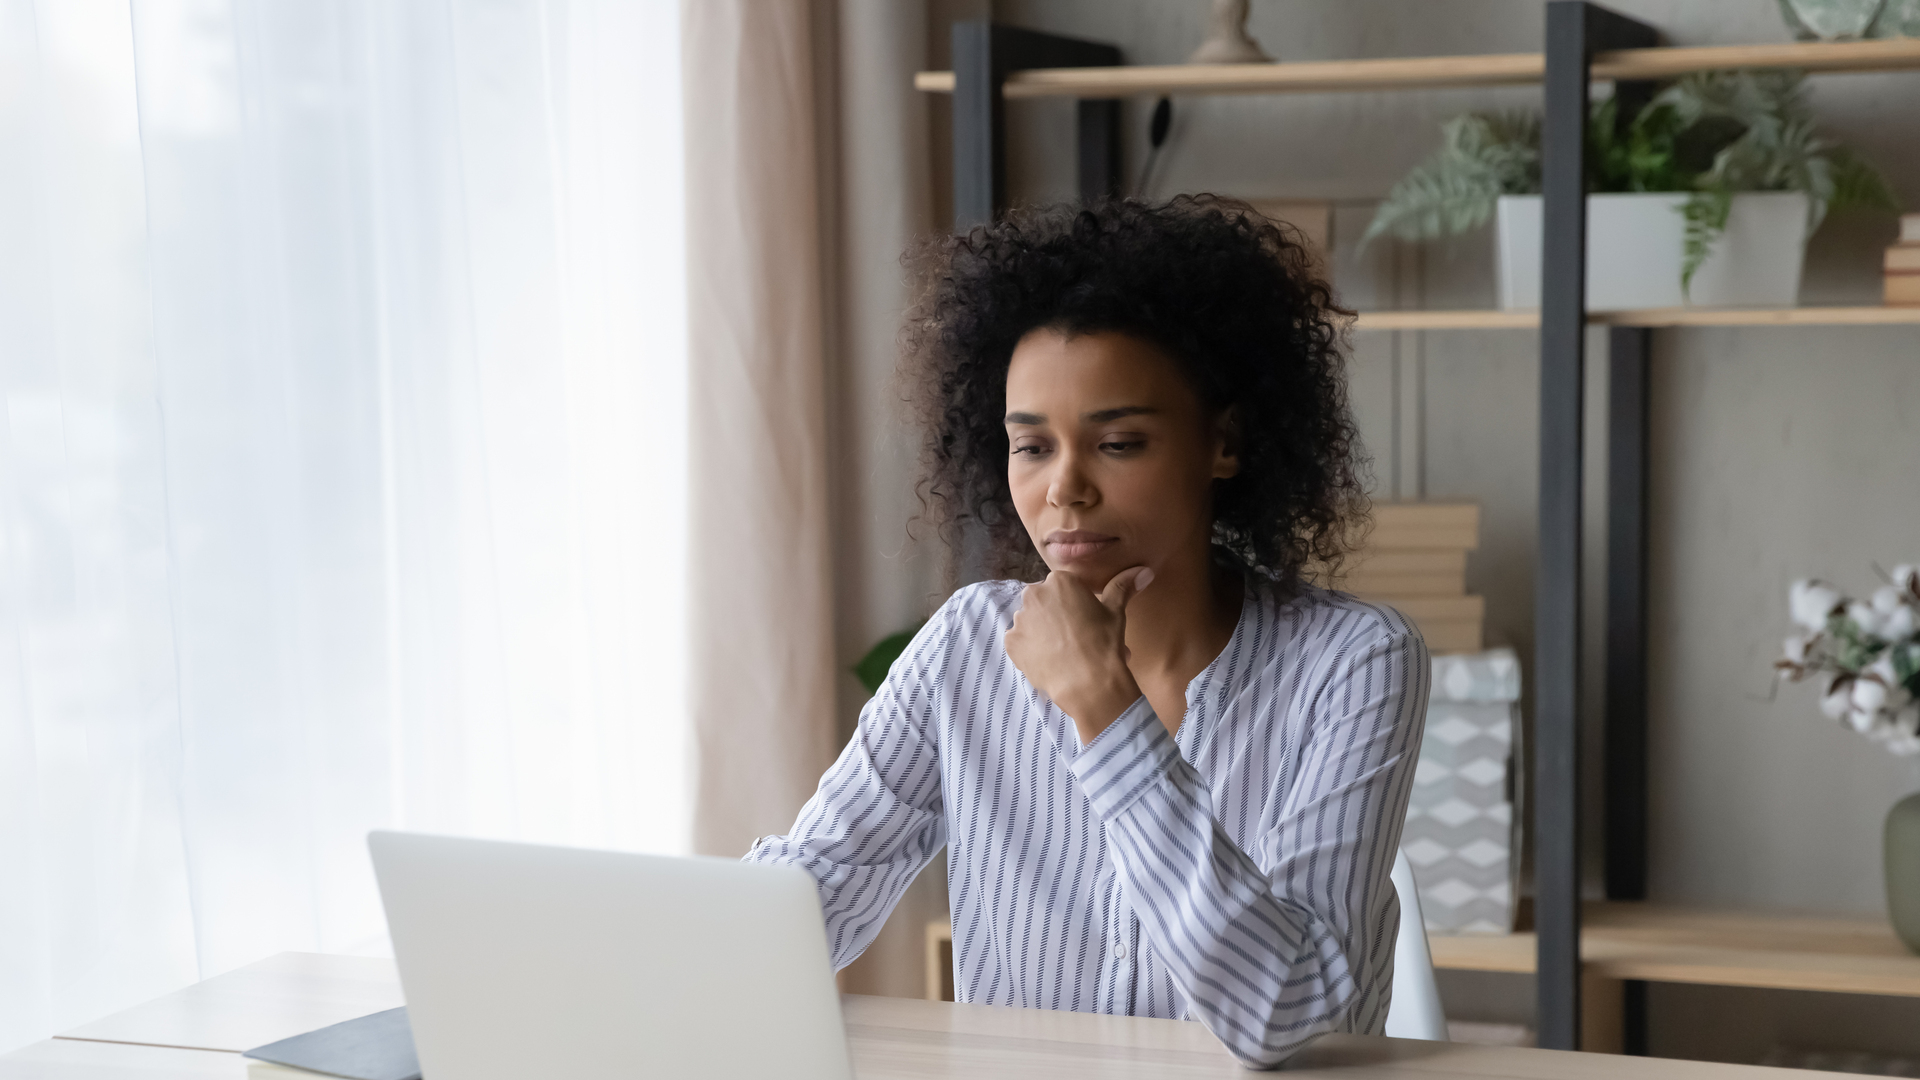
(984, 53)
(1575, 31)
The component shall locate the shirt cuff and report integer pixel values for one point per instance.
(1123, 761)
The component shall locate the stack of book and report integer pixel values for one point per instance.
(1903, 265)
(1415, 561)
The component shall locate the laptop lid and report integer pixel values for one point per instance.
(520, 960)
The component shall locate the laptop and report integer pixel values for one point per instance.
(524, 961)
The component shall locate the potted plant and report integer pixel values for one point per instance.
(1705, 195)
(1867, 655)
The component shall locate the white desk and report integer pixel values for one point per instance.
(197, 1033)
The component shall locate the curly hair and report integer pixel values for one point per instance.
(1234, 298)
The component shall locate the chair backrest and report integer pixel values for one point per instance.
(1415, 1012)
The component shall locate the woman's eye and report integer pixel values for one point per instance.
(1119, 446)
(1035, 451)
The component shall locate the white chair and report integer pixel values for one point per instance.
(1415, 1012)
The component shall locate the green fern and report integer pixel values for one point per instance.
(1858, 185)
(1482, 156)
(1706, 215)
(1436, 199)
(1777, 149)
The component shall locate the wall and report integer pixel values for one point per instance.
(1776, 454)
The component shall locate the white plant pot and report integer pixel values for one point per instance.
(1636, 245)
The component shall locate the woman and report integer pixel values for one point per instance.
(1171, 773)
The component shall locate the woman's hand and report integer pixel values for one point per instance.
(1072, 646)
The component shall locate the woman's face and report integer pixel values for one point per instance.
(1112, 457)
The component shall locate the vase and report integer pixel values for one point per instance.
(1636, 245)
(1227, 41)
(1903, 870)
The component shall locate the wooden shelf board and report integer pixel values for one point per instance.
(1659, 943)
(1499, 69)
(1528, 319)
(1428, 72)
(1468, 319)
(1892, 54)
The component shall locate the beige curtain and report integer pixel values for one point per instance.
(884, 581)
(759, 589)
(808, 175)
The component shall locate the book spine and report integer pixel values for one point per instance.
(1424, 539)
(1426, 515)
(1903, 290)
(1452, 636)
(1406, 584)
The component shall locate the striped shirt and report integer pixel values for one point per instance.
(1235, 873)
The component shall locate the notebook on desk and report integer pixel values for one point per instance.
(375, 1047)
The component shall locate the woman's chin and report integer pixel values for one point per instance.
(1094, 572)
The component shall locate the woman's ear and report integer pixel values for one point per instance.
(1226, 443)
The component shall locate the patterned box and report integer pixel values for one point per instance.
(1460, 818)
(1488, 676)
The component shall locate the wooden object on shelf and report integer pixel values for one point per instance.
(1668, 943)
(1903, 265)
(1654, 318)
(1227, 39)
(1428, 72)
(939, 960)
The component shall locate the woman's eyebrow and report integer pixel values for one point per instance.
(1100, 417)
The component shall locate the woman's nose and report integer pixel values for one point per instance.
(1070, 485)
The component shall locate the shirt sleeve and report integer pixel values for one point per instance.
(877, 818)
(1275, 946)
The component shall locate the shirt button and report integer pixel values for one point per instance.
(1120, 951)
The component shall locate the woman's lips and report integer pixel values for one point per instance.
(1070, 545)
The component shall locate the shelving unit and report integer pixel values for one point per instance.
(1584, 44)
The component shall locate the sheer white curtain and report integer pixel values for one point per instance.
(342, 467)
